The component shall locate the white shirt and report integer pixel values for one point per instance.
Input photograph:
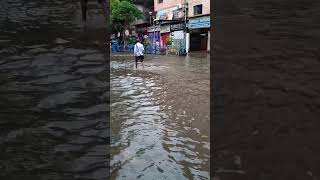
(138, 49)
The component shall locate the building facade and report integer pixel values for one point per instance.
(141, 25)
(199, 25)
(170, 14)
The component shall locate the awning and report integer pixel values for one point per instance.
(169, 21)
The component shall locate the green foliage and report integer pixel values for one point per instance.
(131, 1)
(147, 42)
(131, 40)
(124, 12)
(169, 40)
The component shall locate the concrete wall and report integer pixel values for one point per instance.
(171, 3)
(205, 6)
(166, 4)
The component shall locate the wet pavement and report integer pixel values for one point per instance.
(160, 117)
(53, 91)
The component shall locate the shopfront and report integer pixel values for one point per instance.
(154, 37)
(177, 33)
(165, 33)
(199, 29)
(165, 19)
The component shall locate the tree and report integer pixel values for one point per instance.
(123, 13)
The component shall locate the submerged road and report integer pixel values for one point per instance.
(160, 118)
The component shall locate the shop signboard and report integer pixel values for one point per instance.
(166, 14)
(177, 27)
(151, 29)
(165, 28)
(199, 22)
(163, 17)
(177, 14)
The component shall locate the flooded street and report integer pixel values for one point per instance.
(53, 91)
(160, 117)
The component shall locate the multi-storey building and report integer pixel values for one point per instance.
(170, 15)
(199, 25)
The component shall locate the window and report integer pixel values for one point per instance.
(160, 1)
(197, 9)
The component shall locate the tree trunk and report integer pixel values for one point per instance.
(124, 33)
(124, 36)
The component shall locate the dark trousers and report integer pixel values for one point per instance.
(139, 58)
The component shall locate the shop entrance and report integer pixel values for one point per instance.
(199, 40)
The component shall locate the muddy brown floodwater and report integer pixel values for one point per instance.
(160, 117)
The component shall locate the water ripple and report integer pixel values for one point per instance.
(149, 139)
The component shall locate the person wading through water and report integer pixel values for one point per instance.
(138, 53)
(84, 5)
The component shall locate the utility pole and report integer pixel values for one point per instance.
(151, 24)
(150, 13)
(185, 26)
(154, 36)
(154, 31)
